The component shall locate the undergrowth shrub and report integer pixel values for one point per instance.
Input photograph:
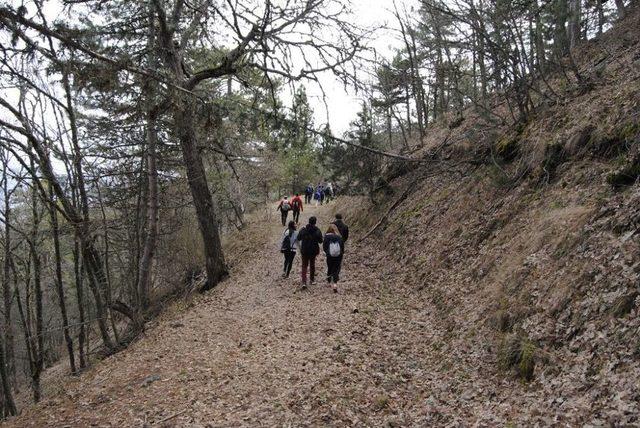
(518, 354)
(627, 176)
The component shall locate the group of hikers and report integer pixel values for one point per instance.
(322, 193)
(308, 241)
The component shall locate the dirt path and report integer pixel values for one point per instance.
(256, 352)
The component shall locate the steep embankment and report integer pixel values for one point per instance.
(522, 245)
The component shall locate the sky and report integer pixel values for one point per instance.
(344, 105)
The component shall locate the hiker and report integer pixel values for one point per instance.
(331, 191)
(327, 193)
(308, 194)
(288, 247)
(342, 227)
(297, 207)
(310, 238)
(333, 247)
(284, 206)
(319, 194)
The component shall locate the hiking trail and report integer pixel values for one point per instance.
(256, 351)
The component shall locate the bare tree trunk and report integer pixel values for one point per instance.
(8, 404)
(146, 261)
(148, 251)
(78, 273)
(6, 286)
(600, 12)
(90, 256)
(202, 198)
(575, 17)
(560, 43)
(55, 229)
(107, 269)
(34, 340)
(622, 10)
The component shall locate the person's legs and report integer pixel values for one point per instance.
(329, 269)
(296, 215)
(285, 214)
(305, 264)
(286, 262)
(289, 257)
(337, 269)
(312, 268)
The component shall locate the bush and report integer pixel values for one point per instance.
(518, 354)
(627, 176)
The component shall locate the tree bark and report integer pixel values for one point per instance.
(79, 279)
(55, 229)
(6, 286)
(183, 115)
(575, 17)
(148, 251)
(622, 10)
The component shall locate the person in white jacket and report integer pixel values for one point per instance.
(288, 247)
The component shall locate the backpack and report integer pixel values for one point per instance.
(286, 242)
(334, 249)
(296, 204)
(286, 206)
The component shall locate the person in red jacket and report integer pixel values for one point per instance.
(297, 207)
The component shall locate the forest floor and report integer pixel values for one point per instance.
(257, 351)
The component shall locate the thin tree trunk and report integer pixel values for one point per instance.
(622, 10)
(146, 261)
(575, 17)
(78, 274)
(55, 229)
(148, 251)
(90, 256)
(6, 286)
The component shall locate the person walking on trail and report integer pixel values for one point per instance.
(308, 194)
(333, 247)
(284, 207)
(297, 207)
(288, 247)
(343, 229)
(327, 193)
(319, 196)
(310, 238)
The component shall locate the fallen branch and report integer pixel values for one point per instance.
(168, 418)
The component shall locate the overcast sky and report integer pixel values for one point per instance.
(343, 106)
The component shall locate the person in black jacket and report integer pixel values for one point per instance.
(333, 247)
(288, 247)
(310, 238)
(342, 227)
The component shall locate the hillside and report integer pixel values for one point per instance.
(494, 283)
